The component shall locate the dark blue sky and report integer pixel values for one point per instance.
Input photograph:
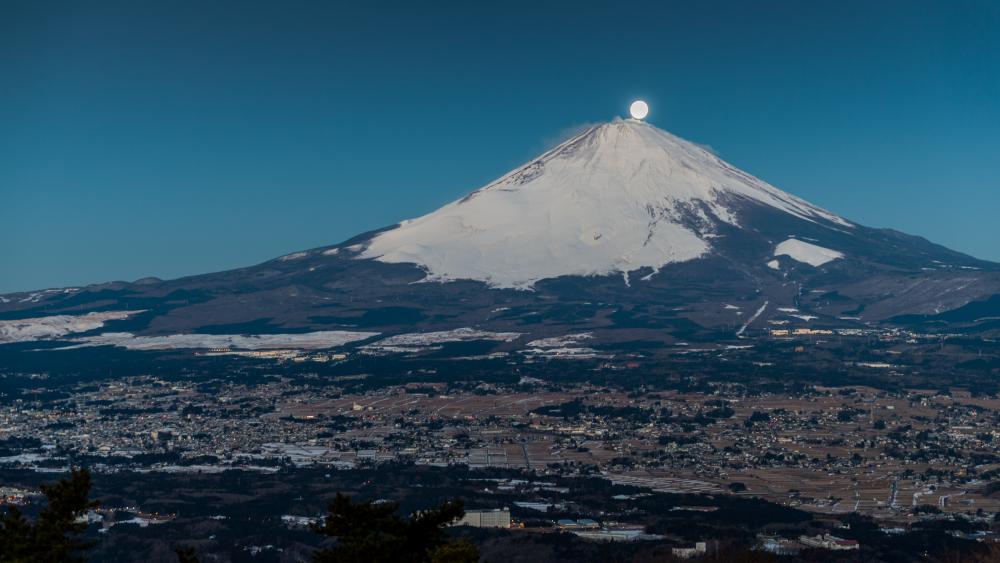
(171, 138)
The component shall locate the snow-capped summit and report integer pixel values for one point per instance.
(618, 197)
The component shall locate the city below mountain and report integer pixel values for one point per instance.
(625, 349)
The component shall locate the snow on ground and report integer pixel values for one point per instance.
(378, 349)
(24, 458)
(617, 198)
(305, 341)
(421, 341)
(752, 319)
(562, 353)
(182, 469)
(455, 335)
(293, 521)
(561, 347)
(558, 341)
(806, 318)
(806, 253)
(731, 307)
(138, 521)
(36, 296)
(46, 328)
(293, 256)
(788, 309)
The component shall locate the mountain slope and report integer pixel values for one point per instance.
(624, 231)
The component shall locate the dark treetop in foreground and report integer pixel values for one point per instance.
(372, 532)
(54, 536)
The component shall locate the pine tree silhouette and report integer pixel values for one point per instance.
(54, 536)
(371, 532)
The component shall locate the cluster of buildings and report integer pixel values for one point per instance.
(831, 450)
(783, 546)
(491, 518)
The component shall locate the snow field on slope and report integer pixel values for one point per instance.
(806, 253)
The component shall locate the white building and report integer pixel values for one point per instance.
(827, 541)
(495, 518)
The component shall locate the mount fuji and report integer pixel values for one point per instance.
(622, 232)
(619, 197)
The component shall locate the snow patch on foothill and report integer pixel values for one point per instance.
(562, 353)
(422, 341)
(293, 256)
(455, 335)
(560, 341)
(55, 326)
(305, 341)
(805, 252)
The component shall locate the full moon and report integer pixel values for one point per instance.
(639, 109)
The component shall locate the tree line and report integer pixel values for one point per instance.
(366, 532)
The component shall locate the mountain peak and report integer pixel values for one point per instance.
(618, 197)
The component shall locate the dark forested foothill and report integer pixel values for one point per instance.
(241, 516)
